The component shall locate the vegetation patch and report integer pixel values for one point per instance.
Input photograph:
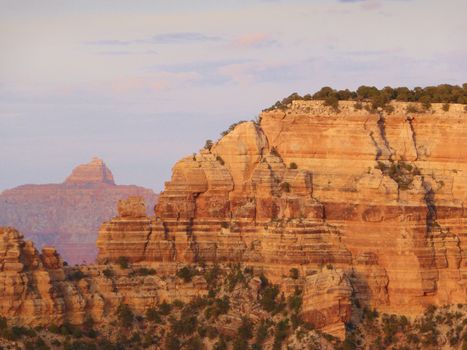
(380, 98)
(401, 172)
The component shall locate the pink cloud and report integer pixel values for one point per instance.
(253, 40)
(152, 83)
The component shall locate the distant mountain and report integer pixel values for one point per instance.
(68, 215)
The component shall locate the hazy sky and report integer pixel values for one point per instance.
(143, 83)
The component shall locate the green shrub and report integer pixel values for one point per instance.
(234, 277)
(294, 301)
(144, 271)
(79, 345)
(194, 343)
(261, 333)
(125, 315)
(184, 326)
(268, 297)
(370, 315)
(75, 275)
(294, 273)
(53, 328)
(285, 186)
(293, 165)
(220, 345)
(20, 331)
(165, 308)
(152, 315)
(222, 305)
(177, 303)
(123, 261)
(212, 274)
(172, 342)
(333, 102)
(212, 332)
(401, 172)
(208, 145)
(445, 107)
(3, 323)
(245, 330)
(280, 334)
(108, 272)
(426, 102)
(186, 273)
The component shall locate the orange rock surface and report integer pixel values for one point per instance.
(379, 196)
(36, 288)
(364, 206)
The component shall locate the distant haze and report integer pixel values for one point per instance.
(142, 84)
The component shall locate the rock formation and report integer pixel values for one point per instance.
(364, 208)
(93, 172)
(36, 288)
(68, 215)
(378, 196)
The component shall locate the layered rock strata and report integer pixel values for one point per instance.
(378, 195)
(361, 207)
(37, 289)
(68, 215)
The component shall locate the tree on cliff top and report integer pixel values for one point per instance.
(443, 93)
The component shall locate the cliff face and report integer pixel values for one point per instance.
(68, 215)
(36, 288)
(379, 197)
(353, 209)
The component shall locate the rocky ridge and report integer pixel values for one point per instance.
(68, 215)
(363, 208)
(379, 195)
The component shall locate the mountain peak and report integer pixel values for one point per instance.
(93, 172)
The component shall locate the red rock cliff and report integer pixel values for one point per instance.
(379, 196)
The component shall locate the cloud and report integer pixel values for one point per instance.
(254, 40)
(207, 72)
(182, 37)
(365, 4)
(196, 66)
(127, 52)
(109, 42)
(163, 38)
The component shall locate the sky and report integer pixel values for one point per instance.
(142, 84)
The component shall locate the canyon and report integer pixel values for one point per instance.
(68, 215)
(356, 208)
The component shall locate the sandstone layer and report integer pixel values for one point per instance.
(378, 196)
(355, 208)
(36, 288)
(68, 215)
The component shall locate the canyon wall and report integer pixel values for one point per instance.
(68, 215)
(36, 288)
(355, 208)
(377, 195)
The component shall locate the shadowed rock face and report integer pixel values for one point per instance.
(380, 197)
(68, 215)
